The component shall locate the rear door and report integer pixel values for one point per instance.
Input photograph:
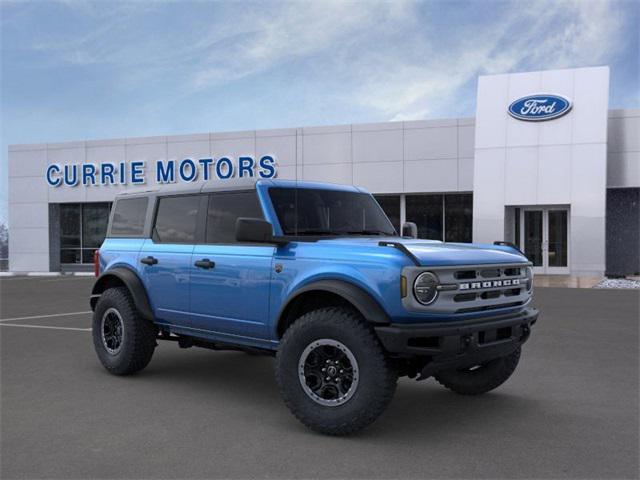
(165, 258)
(230, 281)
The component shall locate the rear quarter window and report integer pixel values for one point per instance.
(128, 217)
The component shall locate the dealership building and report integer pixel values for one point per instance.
(544, 164)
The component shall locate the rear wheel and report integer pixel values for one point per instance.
(481, 378)
(124, 341)
(333, 373)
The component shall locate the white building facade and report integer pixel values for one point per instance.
(544, 164)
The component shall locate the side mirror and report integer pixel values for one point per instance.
(409, 229)
(256, 230)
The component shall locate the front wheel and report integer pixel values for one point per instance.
(481, 378)
(332, 372)
(124, 342)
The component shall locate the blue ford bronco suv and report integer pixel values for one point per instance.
(316, 275)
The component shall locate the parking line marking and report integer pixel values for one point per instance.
(45, 326)
(16, 319)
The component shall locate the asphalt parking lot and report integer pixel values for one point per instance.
(570, 410)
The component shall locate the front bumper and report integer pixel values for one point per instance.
(449, 345)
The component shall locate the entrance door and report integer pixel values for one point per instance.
(544, 234)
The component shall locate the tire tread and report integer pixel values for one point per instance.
(340, 318)
(142, 333)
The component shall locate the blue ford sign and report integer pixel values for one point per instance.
(536, 108)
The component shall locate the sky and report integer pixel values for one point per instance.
(76, 70)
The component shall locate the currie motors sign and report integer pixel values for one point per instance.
(540, 107)
(164, 171)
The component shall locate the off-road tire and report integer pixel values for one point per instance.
(482, 379)
(138, 341)
(377, 376)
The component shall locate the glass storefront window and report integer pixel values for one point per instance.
(82, 230)
(533, 236)
(426, 211)
(70, 255)
(517, 229)
(391, 206)
(558, 233)
(95, 219)
(69, 226)
(447, 217)
(458, 214)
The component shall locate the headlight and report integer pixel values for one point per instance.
(529, 273)
(425, 288)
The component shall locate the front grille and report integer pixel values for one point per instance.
(494, 272)
(512, 293)
(470, 288)
(465, 275)
(465, 297)
(490, 295)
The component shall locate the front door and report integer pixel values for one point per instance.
(544, 234)
(230, 281)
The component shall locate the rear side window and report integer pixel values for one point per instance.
(224, 210)
(176, 219)
(128, 217)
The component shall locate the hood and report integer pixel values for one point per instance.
(443, 254)
(435, 253)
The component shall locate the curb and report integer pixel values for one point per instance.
(46, 274)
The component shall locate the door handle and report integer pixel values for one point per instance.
(149, 260)
(205, 263)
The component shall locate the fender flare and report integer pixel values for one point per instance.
(132, 282)
(369, 307)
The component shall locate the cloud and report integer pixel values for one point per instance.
(297, 30)
(535, 35)
(401, 60)
(217, 43)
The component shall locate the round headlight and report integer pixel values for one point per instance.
(425, 288)
(529, 274)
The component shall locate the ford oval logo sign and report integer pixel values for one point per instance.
(536, 108)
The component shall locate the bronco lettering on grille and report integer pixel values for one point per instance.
(489, 284)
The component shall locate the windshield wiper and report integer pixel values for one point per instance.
(317, 232)
(370, 232)
(342, 232)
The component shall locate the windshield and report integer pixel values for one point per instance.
(307, 211)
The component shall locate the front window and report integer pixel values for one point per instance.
(225, 209)
(305, 211)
